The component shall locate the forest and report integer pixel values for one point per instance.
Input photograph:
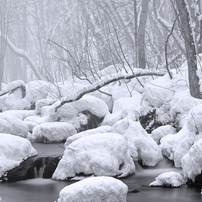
(100, 100)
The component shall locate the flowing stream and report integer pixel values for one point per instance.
(47, 190)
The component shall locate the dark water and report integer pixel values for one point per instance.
(47, 190)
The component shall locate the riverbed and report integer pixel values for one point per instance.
(47, 190)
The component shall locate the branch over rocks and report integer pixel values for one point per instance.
(13, 86)
(105, 81)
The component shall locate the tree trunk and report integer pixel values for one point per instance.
(141, 34)
(190, 48)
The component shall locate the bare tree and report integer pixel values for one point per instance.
(187, 33)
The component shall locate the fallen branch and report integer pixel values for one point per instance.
(99, 84)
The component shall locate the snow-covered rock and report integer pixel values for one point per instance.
(129, 104)
(70, 110)
(180, 105)
(168, 179)
(101, 129)
(36, 119)
(13, 150)
(101, 154)
(96, 189)
(162, 131)
(16, 101)
(111, 119)
(20, 114)
(12, 125)
(192, 161)
(37, 90)
(53, 132)
(141, 145)
(176, 146)
(41, 103)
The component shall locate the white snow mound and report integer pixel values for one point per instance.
(141, 145)
(13, 150)
(53, 132)
(101, 129)
(168, 179)
(192, 161)
(96, 189)
(104, 154)
(162, 131)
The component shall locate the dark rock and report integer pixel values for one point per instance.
(32, 167)
(51, 164)
(149, 121)
(93, 121)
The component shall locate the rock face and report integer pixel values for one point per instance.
(31, 168)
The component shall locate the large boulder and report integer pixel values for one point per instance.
(101, 154)
(94, 189)
(12, 125)
(53, 132)
(13, 150)
(141, 145)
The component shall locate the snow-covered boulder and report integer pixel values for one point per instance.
(16, 98)
(68, 111)
(176, 146)
(36, 119)
(53, 132)
(192, 161)
(180, 105)
(168, 179)
(141, 145)
(104, 154)
(101, 129)
(13, 150)
(20, 114)
(129, 104)
(37, 90)
(42, 103)
(162, 131)
(12, 125)
(96, 189)
(111, 119)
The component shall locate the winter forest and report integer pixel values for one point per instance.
(100, 100)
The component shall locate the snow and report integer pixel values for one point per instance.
(101, 129)
(141, 145)
(15, 101)
(162, 131)
(52, 132)
(176, 146)
(180, 105)
(12, 125)
(94, 189)
(37, 90)
(111, 119)
(96, 155)
(70, 110)
(168, 179)
(13, 150)
(131, 105)
(20, 114)
(192, 161)
(36, 119)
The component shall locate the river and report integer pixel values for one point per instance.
(47, 190)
